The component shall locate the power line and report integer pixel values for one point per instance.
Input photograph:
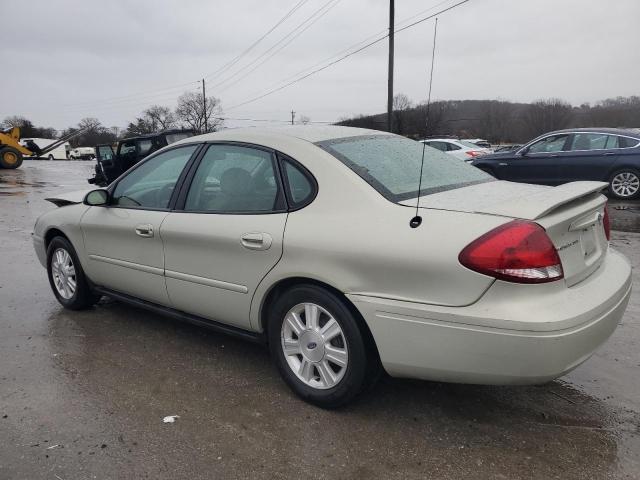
(296, 32)
(236, 59)
(370, 44)
(341, 52)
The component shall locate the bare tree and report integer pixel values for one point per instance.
(496, 120)
(161, 118)
(401, 104)
(547, 115)
(190, 112)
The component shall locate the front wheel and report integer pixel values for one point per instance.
(66, 277)
(317, 346)
(624, 184)
(10, 157)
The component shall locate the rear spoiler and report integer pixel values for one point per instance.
(537, 205)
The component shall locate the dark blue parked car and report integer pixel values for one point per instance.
(604, 154)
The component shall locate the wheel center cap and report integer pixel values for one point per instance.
(312, 346)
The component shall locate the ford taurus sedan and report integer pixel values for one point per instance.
(327, 245)
(609, 155)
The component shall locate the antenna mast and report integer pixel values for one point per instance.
(416, 221)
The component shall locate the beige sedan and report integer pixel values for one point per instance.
(311, 240)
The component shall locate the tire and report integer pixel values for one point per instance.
(10, 157)
(309, 368)
(60, 256)
(50, 157)
(624, 184)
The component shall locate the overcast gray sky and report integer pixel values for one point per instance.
(67, 59)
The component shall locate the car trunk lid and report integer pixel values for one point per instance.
(572, 214)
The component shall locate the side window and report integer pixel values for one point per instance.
(232, 178)
(554, 143)
(127, 148)
(589, 141)
(438, 145)
(300, 187)
(452, 146)
(626, 142)
(152, 183)
(144, 146)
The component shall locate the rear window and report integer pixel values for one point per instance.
(391, 165)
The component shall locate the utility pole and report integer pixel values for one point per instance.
(390, 85)
(204, 107)
(293, 116)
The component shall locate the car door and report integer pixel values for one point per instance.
(538, 162)
(228, 234)
(122, 238)
(590, 156)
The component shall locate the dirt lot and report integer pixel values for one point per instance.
(83, 394)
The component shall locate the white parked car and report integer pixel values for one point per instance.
(305, 238)
(82, 153)
(480, 142)
(461, 149)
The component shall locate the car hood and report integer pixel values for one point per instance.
(508, 199)
(69, 198)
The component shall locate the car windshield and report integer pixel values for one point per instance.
(391, 165)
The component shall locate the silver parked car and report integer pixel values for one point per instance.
(307, 238)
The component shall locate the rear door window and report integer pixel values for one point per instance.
(233, 178)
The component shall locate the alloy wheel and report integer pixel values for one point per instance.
(64, 273)
(314, 346)
(625, 184)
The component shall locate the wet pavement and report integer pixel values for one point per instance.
(83, 394)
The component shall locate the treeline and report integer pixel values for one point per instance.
(190, 113)
(499, 121)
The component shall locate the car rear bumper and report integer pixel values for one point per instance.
(515, 334)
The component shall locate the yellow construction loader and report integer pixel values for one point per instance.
(12, 152)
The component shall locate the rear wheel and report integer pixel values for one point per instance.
(317, 346)
(50, 157)
(66, 276)
(624, 184)
(10, 157)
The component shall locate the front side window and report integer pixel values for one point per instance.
(391, 165)
(151, 184)
(233, 178)
(554, 143)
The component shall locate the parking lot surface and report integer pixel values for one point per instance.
(83, 394)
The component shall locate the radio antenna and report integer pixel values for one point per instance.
(416, 221)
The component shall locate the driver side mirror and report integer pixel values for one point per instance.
(97, 198)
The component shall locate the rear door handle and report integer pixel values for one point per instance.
(256, 241)
(145, 230)
(609, 154)
(503, 164)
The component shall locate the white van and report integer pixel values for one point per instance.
(58, 153)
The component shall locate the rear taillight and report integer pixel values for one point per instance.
(605, 223)
(518, 251)
(473, 153)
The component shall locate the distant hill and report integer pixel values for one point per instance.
(500, 121)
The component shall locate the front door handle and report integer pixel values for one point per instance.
(145, 230)
(256, 241)
(503, 164)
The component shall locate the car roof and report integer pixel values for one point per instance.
(452, 140)
(309, 133)
(614, 131)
